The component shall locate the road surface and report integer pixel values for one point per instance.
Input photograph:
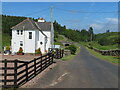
(84, 71)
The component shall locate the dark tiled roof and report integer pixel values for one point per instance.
(29, 24)
(45, 26)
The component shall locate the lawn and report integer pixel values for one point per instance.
(98, 46)
(112, 59)
(107, 47)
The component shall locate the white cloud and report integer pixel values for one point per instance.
(113, 20)
(96, 26)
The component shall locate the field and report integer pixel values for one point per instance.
(107, 47)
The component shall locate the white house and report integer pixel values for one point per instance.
(31, 35)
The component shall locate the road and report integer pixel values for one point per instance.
(84, 71)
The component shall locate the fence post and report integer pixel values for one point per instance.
(49, 59)
(52, 58)
(41, 64)
(62, 52)
(5, 71)
(26, 72)
(35, 66)
(46, 60)
(57, 53)
(15, 73)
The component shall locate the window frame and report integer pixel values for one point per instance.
(21, 43)
(21, 32)
(18, 32)
(30, 35)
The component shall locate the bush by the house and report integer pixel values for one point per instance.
(20, 50)
(8, 48)
(72, 48)
(38, 51)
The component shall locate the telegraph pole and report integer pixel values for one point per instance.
(52, 28)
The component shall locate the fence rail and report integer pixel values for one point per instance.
(21, 72)
(106, 52)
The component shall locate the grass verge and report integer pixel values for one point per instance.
(70, 57)
(111, 59)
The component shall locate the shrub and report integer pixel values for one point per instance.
(20, 50)
(8, 48)
(104, 41)
(38, 51)
(72, 48)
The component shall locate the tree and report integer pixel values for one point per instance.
(107, 31)
(73, 49)
(84, 35)
(91, 33)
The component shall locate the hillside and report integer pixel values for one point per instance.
(103, 41)
(106, 41)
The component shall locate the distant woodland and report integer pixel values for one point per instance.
(83, 35)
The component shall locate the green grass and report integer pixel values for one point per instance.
(9, 89)
(98, 46)
(58, 43)
(59, 38)
(111, 59)
(108, 47)
(6, 39)
(70, 57)
(0, 41)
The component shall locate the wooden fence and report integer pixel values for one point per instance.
(58, 53)
(106, 52)
(15, 73)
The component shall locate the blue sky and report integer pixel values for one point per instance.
(75, 15)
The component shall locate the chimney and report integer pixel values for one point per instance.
(41, 20)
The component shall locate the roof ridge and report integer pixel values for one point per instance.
(19, 23)
(31, 23)
(40, 29)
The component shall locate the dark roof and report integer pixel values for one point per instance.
(29, 24)
(45, 26)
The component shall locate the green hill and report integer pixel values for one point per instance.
(106, 41)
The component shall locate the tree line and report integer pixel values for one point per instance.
(75, 35)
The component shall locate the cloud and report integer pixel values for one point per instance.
(113, 20)
(96, 26)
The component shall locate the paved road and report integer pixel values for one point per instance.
(85, 71)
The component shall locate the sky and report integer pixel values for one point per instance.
(101, 16)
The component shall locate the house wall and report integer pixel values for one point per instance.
(41, 40)
(28, 44)
(48, 33)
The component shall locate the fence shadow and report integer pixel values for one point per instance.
(15, 73)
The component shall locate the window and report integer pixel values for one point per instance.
(17, 32)
(30, 35)
(21, 43)
(41, 43)
(21, 32)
